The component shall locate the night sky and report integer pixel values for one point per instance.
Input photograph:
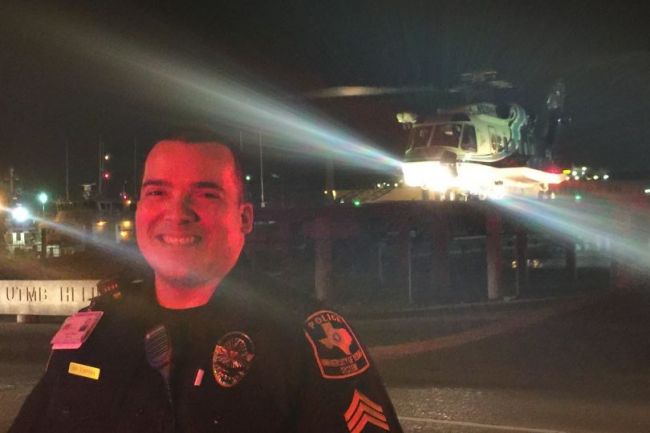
(61, 79)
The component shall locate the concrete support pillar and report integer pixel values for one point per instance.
(521, 255)
(381, 277)
(570, 267)
(493, 250)
(441, 280)
(406, 237)
(324, 230)
(622, 276)
(329, 179)
(323, 259)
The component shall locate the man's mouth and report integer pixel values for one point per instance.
(179, 241)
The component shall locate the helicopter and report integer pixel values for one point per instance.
(480, 148)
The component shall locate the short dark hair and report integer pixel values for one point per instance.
(204, 134)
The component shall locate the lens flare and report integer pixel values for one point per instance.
(105, 244)
(223, 97)
(622, 229)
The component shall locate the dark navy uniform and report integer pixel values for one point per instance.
(251, 360)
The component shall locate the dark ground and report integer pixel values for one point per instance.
(583, 367)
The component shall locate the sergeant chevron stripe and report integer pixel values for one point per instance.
(363, 411)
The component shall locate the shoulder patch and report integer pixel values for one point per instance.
(337, 351)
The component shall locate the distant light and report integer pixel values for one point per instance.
(596, 177)
(576, 177)
(124, 234)
(497, 193)
(101, 223)
(552, 196)
(248, 178)
(406, 117)
(334, 194)
(647, 190)
(605, 177)
(42, 197)
(379, 185)
(396, 185)
(356, 202)
(578, 197)
(584, 168)
(126, 224)
(574, 173)
(566, 171)
(107, 157)
(106, 175)
(325, 192)
(128, 202)
(20, 214)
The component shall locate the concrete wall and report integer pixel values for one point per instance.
(45, 297)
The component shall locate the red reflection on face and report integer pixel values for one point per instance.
(190, 221)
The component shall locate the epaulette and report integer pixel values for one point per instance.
(113, 289)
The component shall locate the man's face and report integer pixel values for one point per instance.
(190, 220)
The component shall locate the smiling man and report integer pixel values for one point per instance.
(208, 345)
(191, 219)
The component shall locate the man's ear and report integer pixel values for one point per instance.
(246, 212)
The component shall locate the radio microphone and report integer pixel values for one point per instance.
(158, 348)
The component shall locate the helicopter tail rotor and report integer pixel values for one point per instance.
(552, 117)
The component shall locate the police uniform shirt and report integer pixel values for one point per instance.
(251, 360)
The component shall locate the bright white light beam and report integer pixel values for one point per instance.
(212, 93)
(592, 221)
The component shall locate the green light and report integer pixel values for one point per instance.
(578, 197)
(42, 197)
(356, 202)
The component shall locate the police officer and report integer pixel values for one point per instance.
(207, 345)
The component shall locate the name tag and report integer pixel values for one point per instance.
(84, 371)
(75, 330)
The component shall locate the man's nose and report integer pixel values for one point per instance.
(180, 210)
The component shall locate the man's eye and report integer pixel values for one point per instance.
(154, 192)
(209, 195)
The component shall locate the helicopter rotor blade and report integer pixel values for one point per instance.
(501, 84)
(362, 91)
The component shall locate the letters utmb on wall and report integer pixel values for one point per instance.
(45, 297)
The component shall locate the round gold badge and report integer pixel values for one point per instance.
(232, 358)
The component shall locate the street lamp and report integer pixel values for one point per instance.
(42, 198)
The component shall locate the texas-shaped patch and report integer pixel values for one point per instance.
(337, 350)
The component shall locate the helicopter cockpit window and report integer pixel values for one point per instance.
(468, 141)
(420, 136)
(447, 134)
